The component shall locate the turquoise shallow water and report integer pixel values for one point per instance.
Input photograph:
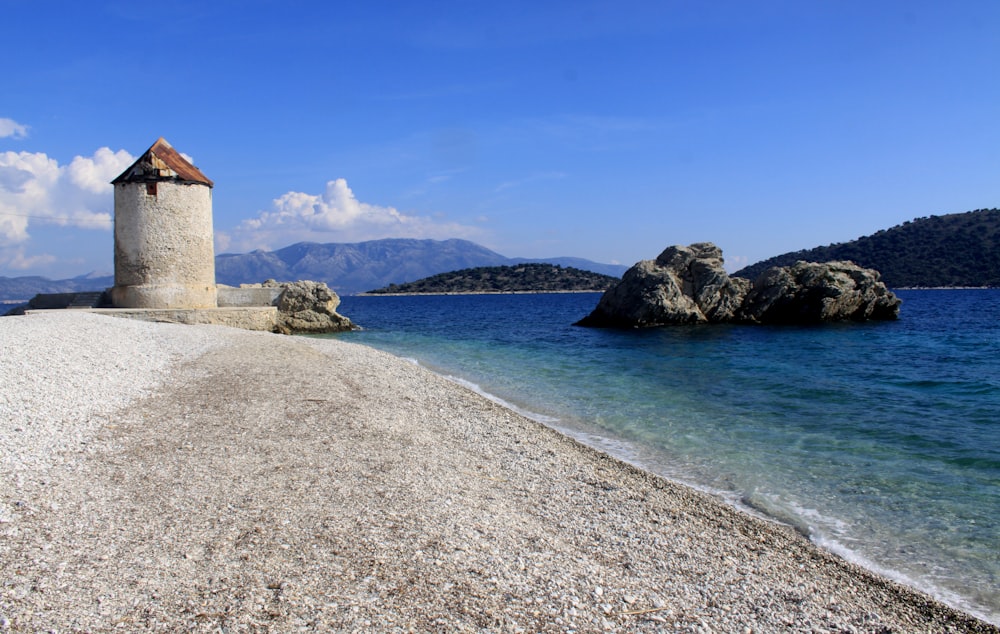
(880, 441)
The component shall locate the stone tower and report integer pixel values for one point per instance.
(164, 253)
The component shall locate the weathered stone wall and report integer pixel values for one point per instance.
(261, 318)
(248, 295)
(164, 256)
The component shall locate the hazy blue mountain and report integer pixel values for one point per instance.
(347, 268)
(358, 267)
(614, 270)
(24, 288)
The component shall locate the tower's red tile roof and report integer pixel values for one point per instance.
(162, 162)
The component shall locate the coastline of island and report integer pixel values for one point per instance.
(476, 293)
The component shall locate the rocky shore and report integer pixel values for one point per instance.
(198, 478)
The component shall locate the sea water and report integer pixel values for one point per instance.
(880, 441)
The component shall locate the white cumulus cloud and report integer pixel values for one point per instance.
(94, 174)
(35, 189)
(335, 215)
(11, 128)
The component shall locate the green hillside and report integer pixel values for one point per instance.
(936, 251)
(521, 278)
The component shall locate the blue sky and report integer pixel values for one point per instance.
(603, 130)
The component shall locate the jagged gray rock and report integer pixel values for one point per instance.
(308, 307)
(689, 285)
(809, 292)
(683, 285)
(700, 269)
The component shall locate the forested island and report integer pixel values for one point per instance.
(521, 278)
(954, 250)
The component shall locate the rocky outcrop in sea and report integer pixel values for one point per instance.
(809, 292)
(689, 285)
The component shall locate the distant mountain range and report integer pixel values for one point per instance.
(936, 251)
(355, 268)
(518, 278)
(20, 289)
(347, 268)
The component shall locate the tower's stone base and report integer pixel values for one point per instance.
(164, 296)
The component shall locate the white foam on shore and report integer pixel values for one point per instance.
(623, 450)
(541, 418)
(829, 533)
(944, 596)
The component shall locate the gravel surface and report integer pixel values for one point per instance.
(64, 374)
(197, 478)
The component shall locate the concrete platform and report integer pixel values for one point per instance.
(262, 318)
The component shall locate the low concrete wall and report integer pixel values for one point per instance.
(231, 297)
(49, 301)
(263, 318)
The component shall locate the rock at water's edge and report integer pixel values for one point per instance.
(306, 307)
(689, 285)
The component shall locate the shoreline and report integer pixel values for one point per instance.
(470, 293)
(626, 452)
(256, 480)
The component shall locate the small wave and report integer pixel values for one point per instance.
(958, 387)
(943, 595)
(541, 418)
(629, 452)
(814, 517)
(828, 532)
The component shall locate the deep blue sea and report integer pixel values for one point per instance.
(881, 441)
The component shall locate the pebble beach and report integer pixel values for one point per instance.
(160, 477)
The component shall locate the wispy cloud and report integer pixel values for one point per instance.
(589, 131)
(333, 215)
(13, 129)
(533, 178)
(600, 123)
(17, 260)
(443, 177)
(431, 182)
(446, 92)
